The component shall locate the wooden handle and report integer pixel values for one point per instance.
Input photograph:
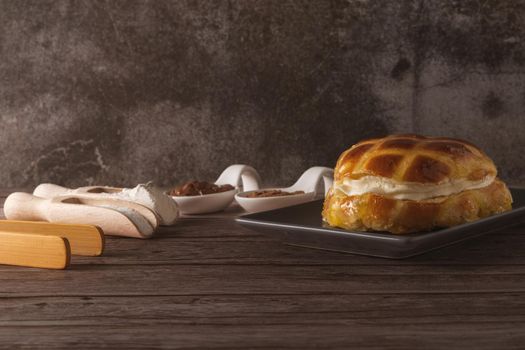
(50, 190)
(86, 240)
(31, 250)
(23, 206)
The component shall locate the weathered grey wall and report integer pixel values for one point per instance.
(119, 92)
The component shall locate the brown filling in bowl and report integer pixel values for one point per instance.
(199, 188)
(271, 193)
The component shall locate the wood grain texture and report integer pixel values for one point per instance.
(83, 239)
(33, 250)
(208, 283)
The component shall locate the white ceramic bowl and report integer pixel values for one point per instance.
(206, 203)
(268, 203)
(237, 175)
(309, 182)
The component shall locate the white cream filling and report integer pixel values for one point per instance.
(408, 190)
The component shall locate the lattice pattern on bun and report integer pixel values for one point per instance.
(414, 158)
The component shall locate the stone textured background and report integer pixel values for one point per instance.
(120, 92)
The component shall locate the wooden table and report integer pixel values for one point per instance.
(207, 283)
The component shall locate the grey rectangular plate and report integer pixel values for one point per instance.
(301, 225)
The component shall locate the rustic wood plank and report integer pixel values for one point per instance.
(266, 309)
(105, 280)
(337, 320)
(208, 283)
(273, 336)
(495, 249)
(211, 241)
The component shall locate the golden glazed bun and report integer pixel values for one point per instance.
(411, 183)
(414, 158)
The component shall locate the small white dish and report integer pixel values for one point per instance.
(206, 203)
(252, 205)
(237, 175)
(309, 183)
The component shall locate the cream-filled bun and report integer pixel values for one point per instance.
(411, 183)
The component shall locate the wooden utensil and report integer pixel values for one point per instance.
(164, 208)
(115, 217)
(47, 190)
(33, 250)
(146, 212)
(86, 240)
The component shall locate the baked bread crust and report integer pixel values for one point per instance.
(407, 159)
(380, 213)
(414, 158)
